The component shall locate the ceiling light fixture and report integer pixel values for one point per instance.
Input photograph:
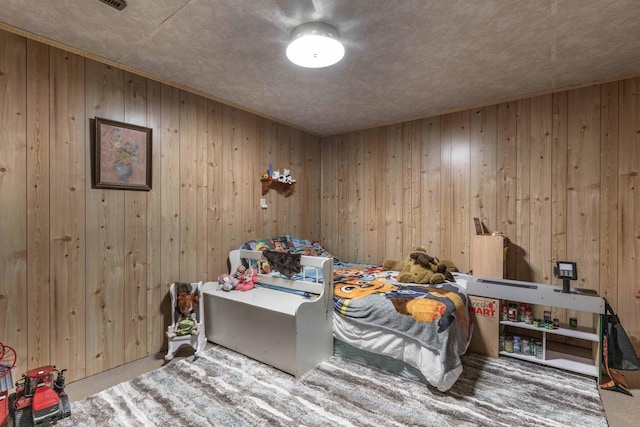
(315, 45)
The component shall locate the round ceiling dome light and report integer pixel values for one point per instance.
(315, 45)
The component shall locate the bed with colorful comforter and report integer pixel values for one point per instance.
(418, 331)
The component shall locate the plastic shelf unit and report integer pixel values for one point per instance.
(566, 357)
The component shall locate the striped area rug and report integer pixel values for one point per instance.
(224, 388)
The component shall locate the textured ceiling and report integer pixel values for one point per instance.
(404, 59)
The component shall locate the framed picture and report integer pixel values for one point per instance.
(122, 155)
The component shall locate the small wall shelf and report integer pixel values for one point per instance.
(282, 187)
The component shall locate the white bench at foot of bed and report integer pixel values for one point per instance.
(285, 330)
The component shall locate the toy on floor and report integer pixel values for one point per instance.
(39, 398)
(186, 303)
(187, 319)
(7, 363)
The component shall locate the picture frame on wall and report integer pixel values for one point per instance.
(122, 154)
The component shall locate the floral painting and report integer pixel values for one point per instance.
(123, 155)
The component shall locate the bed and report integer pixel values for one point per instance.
(417, 331)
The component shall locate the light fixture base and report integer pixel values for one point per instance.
(315, 45)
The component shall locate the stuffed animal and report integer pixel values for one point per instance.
(286, 177)
(420, 267)
(227, 282)
(186, 303)
(246, 278)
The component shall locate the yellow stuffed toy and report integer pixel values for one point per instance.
(420, 267)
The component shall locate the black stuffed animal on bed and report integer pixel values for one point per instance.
(284, 263)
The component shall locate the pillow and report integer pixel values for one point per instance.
(276, 244)
(310, 248)
(258, 245)
(283, 244)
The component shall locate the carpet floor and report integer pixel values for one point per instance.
(224, 388)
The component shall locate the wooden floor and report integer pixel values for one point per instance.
(619, 408)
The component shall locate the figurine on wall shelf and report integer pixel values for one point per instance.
(281, 181)
(286, 177)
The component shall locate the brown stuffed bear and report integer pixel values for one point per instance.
(420, 267)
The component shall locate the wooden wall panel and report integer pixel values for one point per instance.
(105, 234)
(216, 253)
(341, 208)
(232, 125)
(269, 132)
(14, 321)
(507, 180)
(38, 212)
(101, 261)
(556, 173)
(188, 196)
(583, 187)
(560, 188)
(249, 192)
(135, 233)
(307, 210)
(355, 196)
(540, 184)
(483, 169)
(372, 198)
(446, 189)
(329, 195)
(521, 241)
(627, 300)
(170, 186)
(609, 117)
(282, 210)
(460, 164)
(157, 311)
(430, 181)
(202, 174)
(68, 153)
(394, 202)
(390, 188)
(410, 189)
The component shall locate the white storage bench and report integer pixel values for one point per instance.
(291, 332)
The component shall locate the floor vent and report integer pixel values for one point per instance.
(118, 4)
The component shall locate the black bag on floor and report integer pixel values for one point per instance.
(612, 379)
(620, 354)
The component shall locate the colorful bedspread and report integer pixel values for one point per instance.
(435, 316)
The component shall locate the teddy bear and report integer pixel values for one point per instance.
(186, 322)
(420, 267)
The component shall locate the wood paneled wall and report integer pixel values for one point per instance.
(557, 174)
(84, 273)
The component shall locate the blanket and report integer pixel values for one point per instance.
(442, 304)
(433, 317)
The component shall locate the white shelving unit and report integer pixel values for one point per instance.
(548, 295)
(557, 359)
